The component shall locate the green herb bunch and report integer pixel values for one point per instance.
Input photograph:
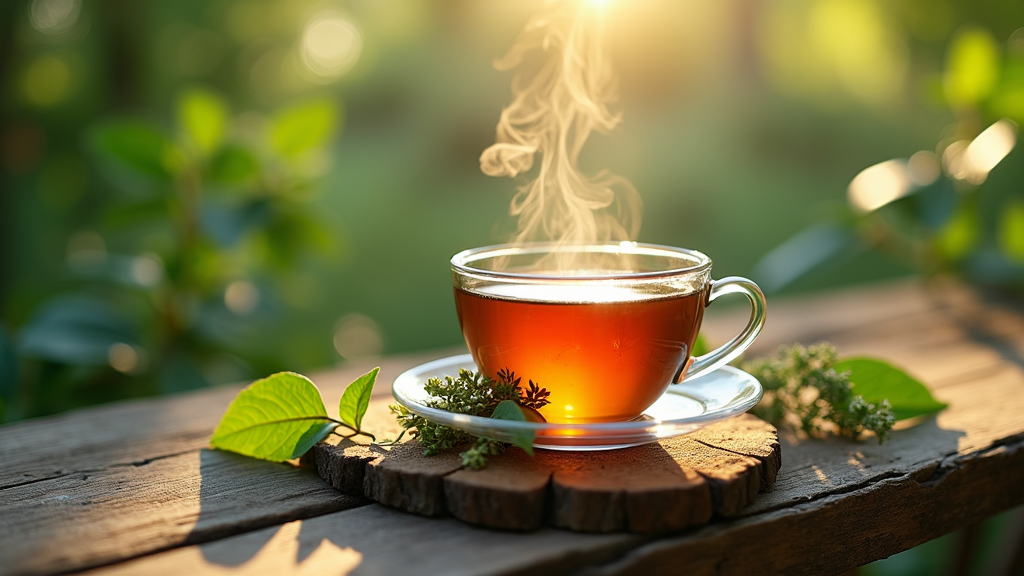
(474, 394)
(810, 389)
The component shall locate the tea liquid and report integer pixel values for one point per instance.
(604, 354)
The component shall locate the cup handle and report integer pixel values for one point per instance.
(725, 354)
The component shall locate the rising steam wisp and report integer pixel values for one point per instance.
(557, 104)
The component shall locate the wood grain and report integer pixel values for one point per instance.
(823, 535)
(834, 533)
(377, 540)
(938, 475)
(133, 478)
(668, 485)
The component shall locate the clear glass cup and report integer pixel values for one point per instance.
(605, 328)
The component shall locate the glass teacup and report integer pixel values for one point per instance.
(605, 328)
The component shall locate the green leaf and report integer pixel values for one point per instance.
(124, 214)
(1011, 231)
(509, 410)
(972, 67)
(960, 235)
(298, 129)
(227, 222)
(356, 399)
(234, 165)
(877, 380)
(1009, 102)
(77, 330)
(277, 418)
(203, 118)
(136, 146)
(292, 235)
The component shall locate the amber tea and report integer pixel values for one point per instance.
(605, 328)
(602, 361)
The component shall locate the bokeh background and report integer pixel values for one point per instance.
(205, 191)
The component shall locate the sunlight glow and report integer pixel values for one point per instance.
(123, 358)
(47, 81)
(972, 161)
(241, 297)
(357, 336)
(953, 159)
(988, 149)
(331, 45)
(822, 48)
(54, 16)
(879, 185)
(575, 293)
(147, 270)
(923, 168)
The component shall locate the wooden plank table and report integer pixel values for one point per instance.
(132, 488)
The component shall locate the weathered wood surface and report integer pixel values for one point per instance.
(674, 484)
(840, 531)
(135, 477)
(931, 478)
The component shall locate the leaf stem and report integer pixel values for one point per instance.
(354, 433)
(391, 442)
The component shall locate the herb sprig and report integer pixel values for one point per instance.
(474, 394)
(810, 389)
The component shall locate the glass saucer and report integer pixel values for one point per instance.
(684, 408)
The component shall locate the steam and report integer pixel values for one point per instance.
(558, 103)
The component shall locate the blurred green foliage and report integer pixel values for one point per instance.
(177, 211)
(967, 217)
(219, 213)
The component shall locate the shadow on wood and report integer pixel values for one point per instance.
(244, 490)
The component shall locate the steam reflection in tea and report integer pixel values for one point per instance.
(605, 353)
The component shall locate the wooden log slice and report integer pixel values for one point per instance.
(669, 485)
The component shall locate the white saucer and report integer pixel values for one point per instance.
(684, 408)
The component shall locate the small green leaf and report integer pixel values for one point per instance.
(1009, 103)
(509, 410)
(234, 165)
(960, 235)
(356, 399)
(292, 234)
(876, 380)
(136, 146)
(203, 118)
(1011, 231)
(277, 418)
(972, 67)
(303, 127)
(123, 214)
